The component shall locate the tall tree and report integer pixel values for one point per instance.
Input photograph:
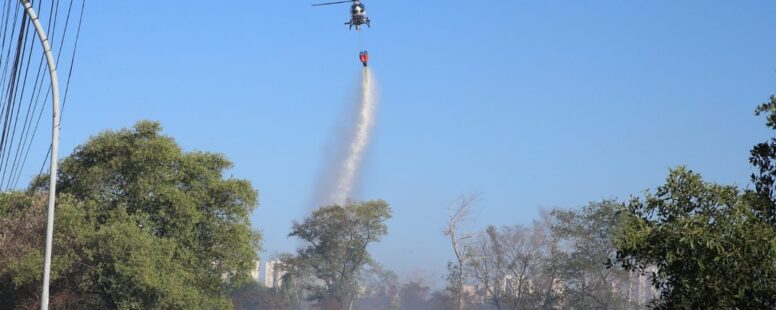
(487, 264)
(763, 157)
(459, 211)
(588, 235)
(528, 278)
(336, 248)
(710, 247)
(381, 289)
(512, 265)
(142, 224)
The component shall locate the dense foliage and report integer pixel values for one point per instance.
(336, 249)
(586, 240)
(710, 246)
(763, 157)
(140, 224)
(559, 261)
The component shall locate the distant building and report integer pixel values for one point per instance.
(226, 276)
(511, 284)
(647, 292)
(255, 271)
(272, 274)
(636, 288)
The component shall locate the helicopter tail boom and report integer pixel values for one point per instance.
(330, 3)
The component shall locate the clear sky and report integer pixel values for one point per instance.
(532, 104)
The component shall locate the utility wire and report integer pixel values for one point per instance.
(67, 85)
(19, 160)
(18, 92)
(21, 108)
(4, 141)
(14, 170)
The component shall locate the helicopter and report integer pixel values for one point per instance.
(357, 14)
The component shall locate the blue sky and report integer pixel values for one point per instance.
(532, 104)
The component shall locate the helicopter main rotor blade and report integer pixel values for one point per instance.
(330, 3)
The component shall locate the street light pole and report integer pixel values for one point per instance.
(52, 65)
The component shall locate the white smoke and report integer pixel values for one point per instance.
(342, 171)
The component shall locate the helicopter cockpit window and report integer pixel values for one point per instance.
(358, 9)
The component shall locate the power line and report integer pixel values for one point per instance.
(23, 85)
(18, 93)
(67, 85)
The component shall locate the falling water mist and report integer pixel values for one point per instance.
(346, 165)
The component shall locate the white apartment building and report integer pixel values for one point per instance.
(272, 274)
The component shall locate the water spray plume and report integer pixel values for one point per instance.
(358, 142)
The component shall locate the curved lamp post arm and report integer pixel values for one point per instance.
(52, 65)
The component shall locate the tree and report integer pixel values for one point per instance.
(142, 224)
(459, 211)
(528, 278)
(414, 295)
(487, 264)
(22, 232)
(718, 245)
(588, 236)
(381, 289)
(711, 248)
(512, 265)
(763, 157)
(336, 250)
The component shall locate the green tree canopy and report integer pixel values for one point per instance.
(710, 248)
(763, 157)
(588, 238)
(142, 224)
(713, 246)
(336, 249)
